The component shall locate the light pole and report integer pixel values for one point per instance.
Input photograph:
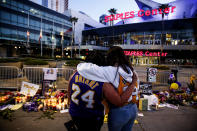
(79, 50)
(62, 40)
(28, 33)
(41, 36)
(72, 43)
(53, 40)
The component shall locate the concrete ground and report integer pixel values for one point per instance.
(164, 119)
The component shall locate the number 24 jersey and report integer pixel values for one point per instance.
(86, 97)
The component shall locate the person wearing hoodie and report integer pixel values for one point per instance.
(85, 97)
(119, 72)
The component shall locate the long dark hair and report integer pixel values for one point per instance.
(115, 55)
(96, 58)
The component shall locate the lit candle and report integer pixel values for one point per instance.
(3, 99)
(63, 106)
(60, 101)
(54, 106)
(45, 105)
(66, 101)
(58, 107)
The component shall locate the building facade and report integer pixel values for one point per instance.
(27, 28)
(146, 43)
(157, 33)
(56, 5)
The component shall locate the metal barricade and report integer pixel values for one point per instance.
(35, 75)
(63, 76)
(12, 77)
(184, 78)
(9, 77)
(161, 77)
(142, 75)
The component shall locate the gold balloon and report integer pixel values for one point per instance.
(195, 98)
(174, 86)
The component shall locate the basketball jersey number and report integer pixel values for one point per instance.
(87, 97)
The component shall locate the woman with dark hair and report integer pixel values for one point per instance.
(119, 72)
(85, 98)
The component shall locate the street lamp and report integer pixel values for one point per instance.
(62, 40)
(40, 37)
(28, 33)
(53, 40)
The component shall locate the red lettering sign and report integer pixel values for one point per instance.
(146, 53)
(140, 13)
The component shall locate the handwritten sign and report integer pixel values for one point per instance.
(29, 88)
(50, 73)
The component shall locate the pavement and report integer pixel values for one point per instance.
(164, 119)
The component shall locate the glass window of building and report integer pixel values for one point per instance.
(13, 4)
(5, 32)
(6, 3)
(26, 7)
(5, 15)
(20, 5)
(14, 18)
(20, 19)
(14, 33)
(26, 21)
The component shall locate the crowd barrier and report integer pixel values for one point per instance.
(12, 77)
(163, 77)
(35, 75)
(9, 77)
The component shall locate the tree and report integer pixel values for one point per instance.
(73, 20)
(112, 12)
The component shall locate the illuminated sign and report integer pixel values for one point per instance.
(140, 13)
(146, 53)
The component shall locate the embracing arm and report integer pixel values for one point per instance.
(97, 73)
(112, 95)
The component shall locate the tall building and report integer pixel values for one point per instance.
(57, 5)
(27, 28)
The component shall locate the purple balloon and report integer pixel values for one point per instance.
(178, 83)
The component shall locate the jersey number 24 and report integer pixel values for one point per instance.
(87, 97)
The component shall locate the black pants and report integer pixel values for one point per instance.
(88, 124)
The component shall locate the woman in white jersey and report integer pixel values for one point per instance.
(119, 72)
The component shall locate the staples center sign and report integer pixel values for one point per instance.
(146, 53)
(140, 13)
